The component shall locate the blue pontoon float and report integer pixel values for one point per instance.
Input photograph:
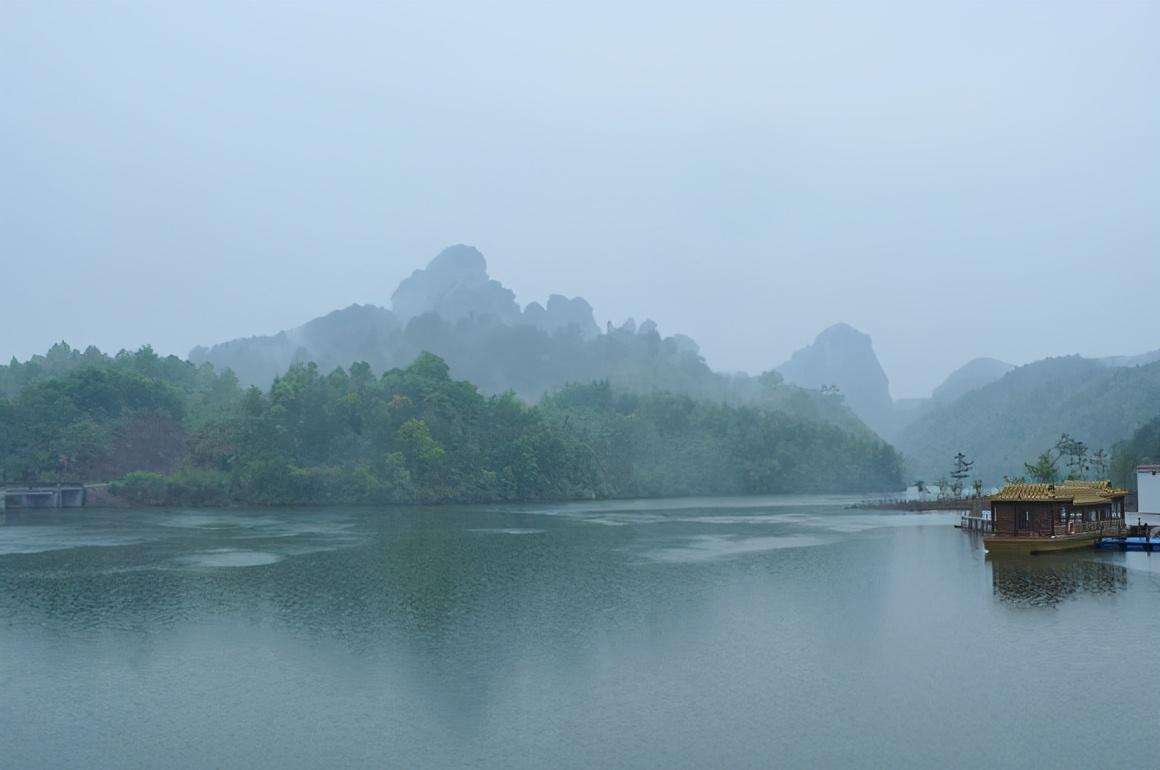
(1134, 543)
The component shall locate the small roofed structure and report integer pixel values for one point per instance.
(1052, 510)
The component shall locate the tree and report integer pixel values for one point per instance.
(1075, 452)
(413, 434)
(1100, 463)
(1077, 461)
(1044, 470)
(961, 470)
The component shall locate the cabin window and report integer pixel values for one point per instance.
(1023, 519)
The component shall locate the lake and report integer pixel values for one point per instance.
(738, 632)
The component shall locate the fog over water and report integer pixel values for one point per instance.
(954, 180)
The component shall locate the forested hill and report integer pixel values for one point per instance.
(1142, 447)
(173, 432)
(455, 310)
(1012, 420)
(975, 374)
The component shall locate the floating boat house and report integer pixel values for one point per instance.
(1052, 517)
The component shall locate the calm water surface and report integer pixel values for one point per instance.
(733, 632)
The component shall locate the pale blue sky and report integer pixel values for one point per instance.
(955, 179)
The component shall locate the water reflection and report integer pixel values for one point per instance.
(487, 637)
(1045, 581)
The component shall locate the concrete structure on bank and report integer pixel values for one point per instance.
(41, 496)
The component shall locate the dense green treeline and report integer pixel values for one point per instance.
(72, 415)
(668, 444)
(172, 432)
(62, 360)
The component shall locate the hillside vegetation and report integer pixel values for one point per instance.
(1011, 421)
(1141, 447)
(173, 432)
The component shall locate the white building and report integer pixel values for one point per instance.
(1148, 487)
(925, 492)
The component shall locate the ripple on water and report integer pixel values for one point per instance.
(626, 519)
(507, 531)
(39, 539)
(705, 547)
(227, 522)
(229, 558)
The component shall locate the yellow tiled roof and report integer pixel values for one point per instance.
(1090, 498)
(1043, 493)
(1073, 491)
(1105, 484)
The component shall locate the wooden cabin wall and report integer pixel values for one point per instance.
(1004, 516)
(1043, 516)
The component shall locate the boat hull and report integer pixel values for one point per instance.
(1026, 545)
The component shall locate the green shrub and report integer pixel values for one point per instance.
(141, 487)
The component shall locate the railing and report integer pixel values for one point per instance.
(1079, 527)
(1067, 528)
(977, 523)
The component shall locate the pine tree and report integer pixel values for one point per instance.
(961, 471)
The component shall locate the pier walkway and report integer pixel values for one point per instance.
(977, 522)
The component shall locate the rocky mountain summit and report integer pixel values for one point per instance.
(843, 357)
(454, 287)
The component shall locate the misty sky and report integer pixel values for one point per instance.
(956, 181)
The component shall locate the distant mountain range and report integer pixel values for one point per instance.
(1010, 421)
(454, 288)
(1152, 356)
(999, 414)
(454, 309)
(996, 413)
(843, 357)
